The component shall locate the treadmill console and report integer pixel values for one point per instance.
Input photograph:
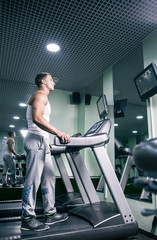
(103, 110)
(94, 129)
(102, 106)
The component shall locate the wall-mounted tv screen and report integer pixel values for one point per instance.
(120, 108)
(102, 106)
(146, 82)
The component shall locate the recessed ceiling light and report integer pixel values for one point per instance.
(139, 117)
(53, 47)
(134, 131)
(116, 124)
(5, 137)
(22, 104)
(11, 126)
(16, 117)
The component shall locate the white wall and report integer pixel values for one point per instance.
(64, 116)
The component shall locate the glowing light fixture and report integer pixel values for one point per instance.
(53, 47)
(116, 124)
(16, 117)
(139, 117)
(134, 131)
(22, 104)
(11, 126)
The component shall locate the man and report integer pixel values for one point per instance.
(9, 163)
(39, 165)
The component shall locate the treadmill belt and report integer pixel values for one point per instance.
(11, 230)
(75, 228)
(13, 209)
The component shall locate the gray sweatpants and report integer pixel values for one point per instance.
(39, 169)
(9, 163)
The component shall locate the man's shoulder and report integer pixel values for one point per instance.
(10, 140)
(41, 96)
(38, 97)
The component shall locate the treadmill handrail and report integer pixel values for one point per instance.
(121, 148)
(88, 141)
(57, 149)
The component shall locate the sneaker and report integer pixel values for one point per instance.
(16, 185)
(5, 185)
(33, 224)
(55, 218)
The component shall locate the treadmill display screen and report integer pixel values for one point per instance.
(102, 106)
(94, 128)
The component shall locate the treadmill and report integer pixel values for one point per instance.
(95, 219)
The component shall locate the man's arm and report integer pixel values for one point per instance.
(38, 106)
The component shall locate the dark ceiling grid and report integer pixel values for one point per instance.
(124, 71)
(78, 10)
(93, 35)
(16, 92)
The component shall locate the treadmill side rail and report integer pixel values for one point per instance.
(126, 172)
(84, 177)
(80, 186)
(63, 173)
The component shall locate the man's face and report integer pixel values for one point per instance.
(14, 134)
(49, 83)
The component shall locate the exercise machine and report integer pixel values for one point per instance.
(95, 219)
(145, 157)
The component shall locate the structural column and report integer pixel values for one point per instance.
(108, 91)
(149, 56)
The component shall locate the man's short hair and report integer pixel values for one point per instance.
(39, 77)
(10, 133)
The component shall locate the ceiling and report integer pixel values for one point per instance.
(92, 35)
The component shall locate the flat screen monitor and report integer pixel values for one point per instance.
(120, 108)
(146, 82)
(102, 106)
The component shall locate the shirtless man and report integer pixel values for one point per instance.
(9, 153)
(39, 165)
